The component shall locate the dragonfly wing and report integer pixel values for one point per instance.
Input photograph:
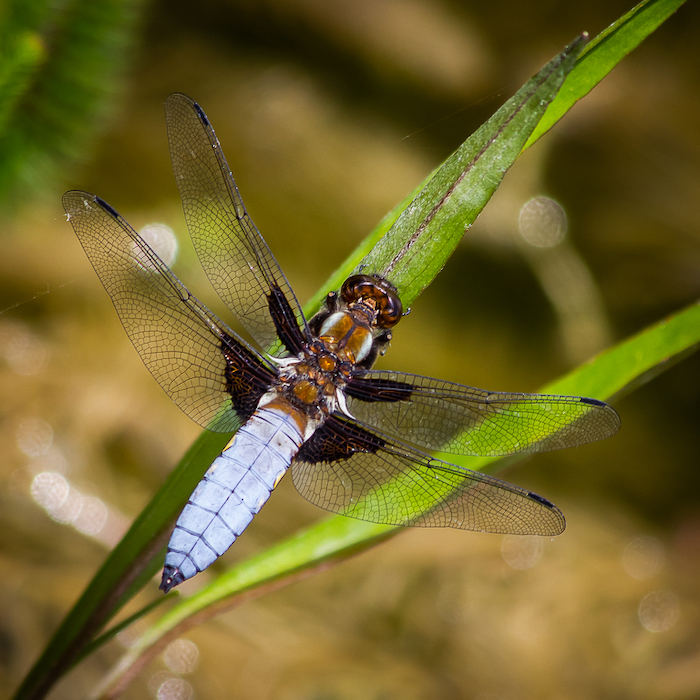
(234, 255)
(459, 419)
(210, 373)
(348, 469)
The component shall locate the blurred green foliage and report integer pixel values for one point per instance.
(61, 65)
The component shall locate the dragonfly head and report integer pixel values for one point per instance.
(375, 294)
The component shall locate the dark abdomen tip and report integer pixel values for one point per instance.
(172, 576)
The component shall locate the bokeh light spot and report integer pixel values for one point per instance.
(34, 437)
(542, 222)
(162, 241)
(643, 557)
(67, 511)
(50, 490)
(53, 460)
(24, 353)
(658, 611)
(92, 516)
(181, 656)
(174, 689)
(521, 551)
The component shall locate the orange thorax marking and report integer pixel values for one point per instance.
(306, 391)
(348, 340)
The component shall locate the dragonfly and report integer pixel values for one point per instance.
(356, 440)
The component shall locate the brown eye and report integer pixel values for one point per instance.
(391, 310)
(356, 287)
(386, 299)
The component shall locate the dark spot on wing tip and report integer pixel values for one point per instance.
(613, 421)
(540, 499)
(200, 113)
(106, 207)
(592, 402)
(172, 576)
(548, 504)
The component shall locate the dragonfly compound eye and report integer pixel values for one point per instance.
(382, 293)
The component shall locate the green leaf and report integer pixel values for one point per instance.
(602, 54)
(332, 540)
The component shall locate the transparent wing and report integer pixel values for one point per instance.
(349, 470)
(234, 255)
(458, 419)
(210, 373)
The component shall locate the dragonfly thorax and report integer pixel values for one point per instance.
(347, 335)
(355, 322)
(314, 381)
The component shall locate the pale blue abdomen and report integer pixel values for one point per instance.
(233, 490)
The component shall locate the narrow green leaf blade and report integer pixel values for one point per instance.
(619, 370)
(603, 54)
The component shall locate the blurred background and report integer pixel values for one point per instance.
(329, 113)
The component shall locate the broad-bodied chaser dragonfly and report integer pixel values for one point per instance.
(309, 399)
